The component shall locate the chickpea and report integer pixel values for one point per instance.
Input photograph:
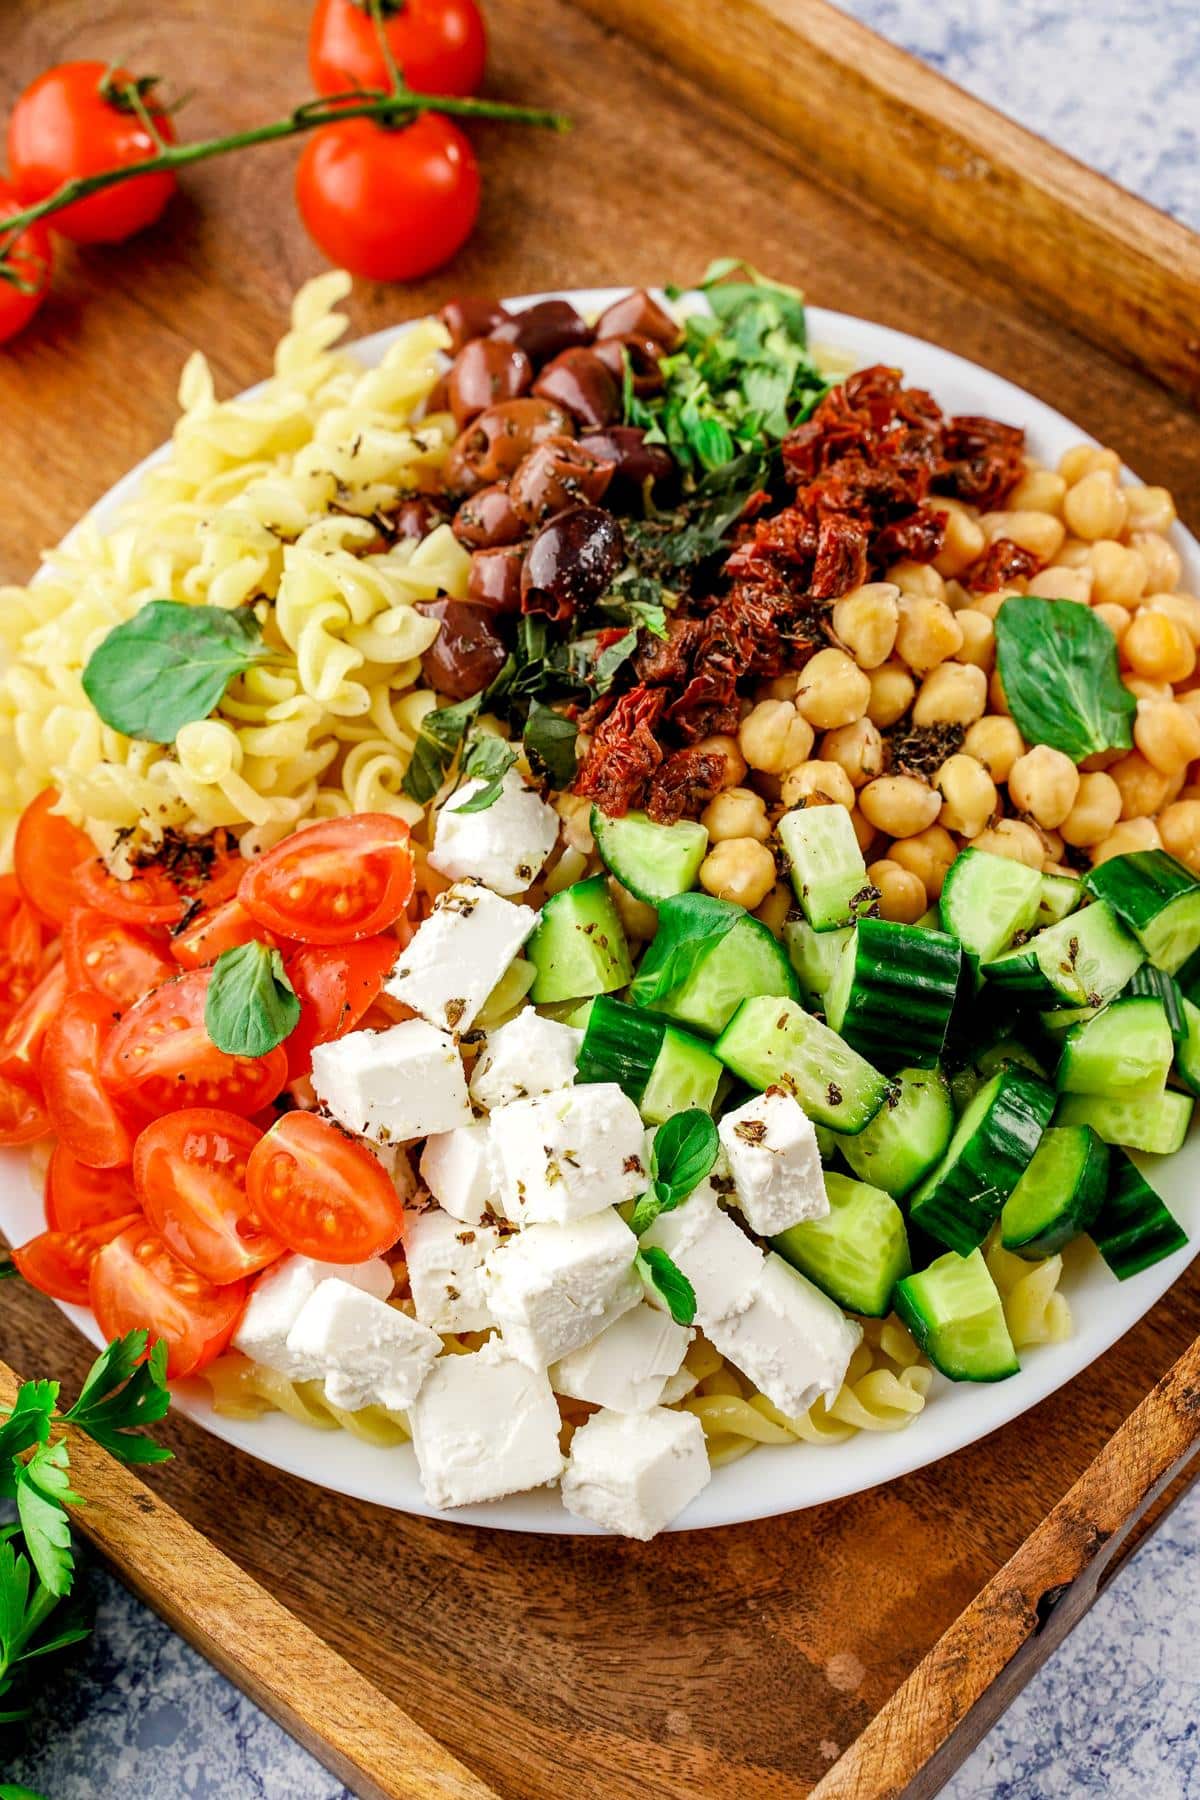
(1053, 846)
(1039, 532)
(865, 620)
(1150, 508)
(1143, 787)
(995, 742)
(1158, 647)
(1147, 690)
(892, 691)
(918, 579)
(1119, 574)
(1179, 828)
(928, 633)
(1117, 620)
(979, 639)
(575, 813)
(901, 895)
(639, 920)
(1162, 559)
(833, 690)
(964, 538)
(1062, 583)
(1014, 839)
(1041, 490)
(1096, 810)
(1044, 783)
(1183, 608)
(817, 784)
(989, 604)
(1168, 735)
(954, 694)
(1083, 458)
(864, 831)
(775, 908)
(927, 855)
(997, 698)
(957, 596)
(1095, 507)
(1076, 553)
(968, 793)
(773, 737)
(736, 812)
(1126, 837)
(735, 763)
(900, 804)
(739, 869)
(858, 748)
(780, 687)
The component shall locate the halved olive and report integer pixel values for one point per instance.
(571, 562)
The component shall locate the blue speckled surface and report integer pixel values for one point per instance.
(1117, 1711)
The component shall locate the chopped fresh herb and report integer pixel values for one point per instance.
(611, 660)
(669, 1282)
(664, 547)
(169, 666)
(1058, 664)
(488, 760)
(685, 1149)
(698, 923)
(636, 599)
(251, 1005)
(439, 739)
(124, 1391)
(922, 749)
(550, 744)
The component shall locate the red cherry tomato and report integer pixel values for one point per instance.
(203, 874)
(114, 960)
(25, 1034)
(335, 984)
(23, 1115)
(47, 850)
(31, 260)
(77, 1196)
(81, 1112)
(58, 1262)
(74, 121)
(214, 932)
(161, 1059)
(190, 1171)
(333, 882)
(135, 1281)
(440, 46)
(321, 1192)
(20, 947)
(389, 205)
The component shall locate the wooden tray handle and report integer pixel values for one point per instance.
(360, 1735)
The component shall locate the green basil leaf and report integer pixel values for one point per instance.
(251, 1004)
(612, 659)
(169, 665)
(694, 924)
(488, 760)
(438, 740)
(659, 1272)
(685, 1149)
(550, 744)
(1058, 664)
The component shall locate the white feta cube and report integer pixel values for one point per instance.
(445, 1270)
(528, 1056)
(505, 845)
(561, 1156)
(279, 1295)
(393, 1085)
(628, 1366)
(635, 1472)
(484, 1426)
(771, 1147)
(712, 1251)
(456, 957)
(551, 1288)
(456, 1167)
(369, 1353)
(792, 1341)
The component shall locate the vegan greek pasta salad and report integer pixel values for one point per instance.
(601, 895)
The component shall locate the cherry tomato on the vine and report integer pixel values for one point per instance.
(389, 205)
(439, 45)
(78, 119)
(25, 277)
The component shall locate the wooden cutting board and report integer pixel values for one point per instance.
(741, 1662)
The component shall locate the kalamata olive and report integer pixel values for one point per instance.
(472, 316)
(578, 380)
(436, 400)
(571, 562)
(483, 373)
(467, 652)
(416, 517)
(487, 518)
(555, 475)
(638, 314)
(493, 444)
(642, 356)
(543, 330)
(495, 579)
(636, 461)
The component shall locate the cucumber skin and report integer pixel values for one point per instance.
(768, 1065)
(1135, 1228)
(1073, 1075)
(621, 1044)
(547, 956)
(1021, 971)
(896, 1170)
(609, 833)
(1140, 887)
(682, 1003)
(1076, 1215)
(958, 1203)
(967, 867)
(802, 1246)
(902, 976)
(908, 1298)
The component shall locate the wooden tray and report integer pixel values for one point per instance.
(746, 1661)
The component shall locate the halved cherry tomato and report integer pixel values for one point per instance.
(47, 850)
(23, 1037)
(76, 1196)
(321, 1192)
(58, 1262)
(135, 1281)
(335, 984)
(32, 260)
(333, 882)
(214, 932)
(440, 46)
(80, 1109)
(20, 946)
(161, 1059)
(199, 874)
(190, 1170)
(23, 1115)
(113, 959)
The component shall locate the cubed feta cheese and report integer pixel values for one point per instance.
(528, 1056)
(627, 1367)
(459, 953)
(505, 845)
(484, 1426)
(552, 1288)
(369, 1353)
(445, 1270)
(277, 1298)
(771, 1146)
(715, 1254)
(635, 1472)
(456, 1167)
(393, 1085)
(561, 1156)
(792, 1341)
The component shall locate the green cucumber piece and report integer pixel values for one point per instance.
(1061, 894)
(1082, 961)
(569, 1012)
(685, 1074)
(893, 991)
(1187, 1048)
(907, 1136)
(986, 900)
(721, 954)
(954, 1311)
(990, 1150)
(857, 1253)
(1157, 1125)
(1134, 1228)
(1059, 1195)
(652, 861)
(1124, 1051)
(775, 1043)
(828, 871)
(1157, 898)
(662, 1069)
(1059, 1020)
(1158, 985)
(814, 956)
(931, 919)
(578, 946)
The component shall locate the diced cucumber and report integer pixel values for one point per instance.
(1158, 985)
(714, 955)
(578, 946)
(828, 871)
(954, 1311)
(1059, 1194)
(857, 1253)
(1082, 961)
(1058, 1021)
(569, 1012)
(1157, 1125)
(991, 1147)
(685, 1073)
(1125, 1051)
(986, 900)
(931, 919)
(775, 1043)
(908, 1134)
(1061, 894)
(662, 1069)
(1157, 898)
(893, 991)
(814, 956)
(1002, 1053)
(1134, 1228)
(652, 861)
(1187, 1048)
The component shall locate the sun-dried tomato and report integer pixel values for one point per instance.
(624, 752)
(667, 662)
(685, 783)
(1002, 562)
(982, 461)
(918, 538)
